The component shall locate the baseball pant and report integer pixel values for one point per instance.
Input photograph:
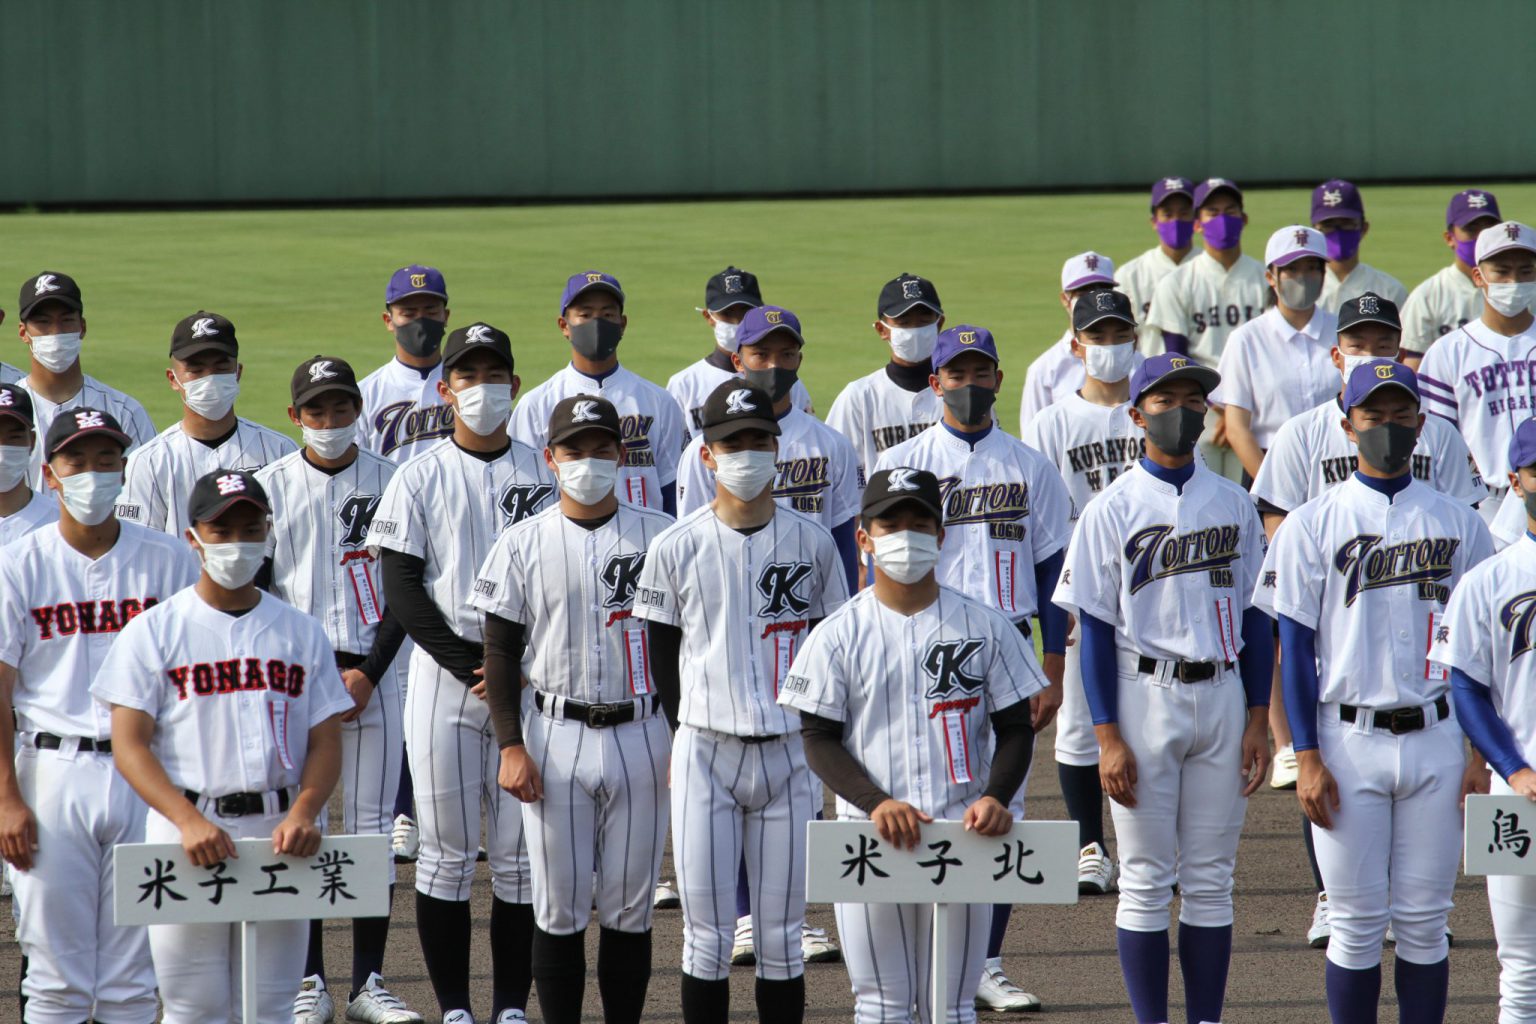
(79, 964)
(1187, 739)
(454, 759)
(888, 948)
(1512, 900)
(1395, 846)
(371, 749)
(728, 797)
(1076, 743)
(604, 811)
(198, 965)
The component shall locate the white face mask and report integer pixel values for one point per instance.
(1353, 363)
(484, 407)
(332, 443)
(906, 556)
(745, 474)
(91, 497)
(725, 335)
(14, 463)
(914, 344)
(1110, 363)
(212, 396)
(587, 481)
(234, 564)
(1513, 298)
(57, 352)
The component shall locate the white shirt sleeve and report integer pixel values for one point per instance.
(1300, 572)
(656, 598)
(1464, 640)
(498, 588)
(131, 674)
(1090, 577)
(399, 523)
(1282, 479)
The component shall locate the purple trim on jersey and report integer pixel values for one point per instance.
(599, 377)
(970, 437)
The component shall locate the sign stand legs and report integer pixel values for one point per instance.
(938, 983)
(248, 973)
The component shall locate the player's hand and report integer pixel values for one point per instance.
(205, 843)
(988, 817)
(1476, 779)
(360, 689)
(899, 823)
(518, 774)
(479, 688)
(18, 833)
(1256, 755)
(296, 836)
(1219, 433)
(1315, 788)
(1071, 630)
(1523, 782)
(1117, 772)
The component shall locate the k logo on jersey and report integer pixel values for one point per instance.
(621, 575)
(355, 516)
(780, 586)
(521, 501)
(945, 662)
(1517, 615)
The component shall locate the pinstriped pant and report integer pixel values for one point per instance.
(888, 948)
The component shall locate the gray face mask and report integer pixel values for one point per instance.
(1387, 448)
(420, 337)
(1299, 292)
(1174, 431)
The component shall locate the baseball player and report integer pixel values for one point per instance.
(323, 498)
(1173, 218)
(1056, 372)
(66, 590)
(1339, 213)
(1089, 437)
(22, 509)
(1277, 364)
(1449, 298)
(727, 297)
(403, 414)
(593, 321)
(590, 765)
(968, 676)
(728, 594)
(218, 760)
(1359, 580)
(434, 526)
(205, 370)
(1176, 668)
(895, 402)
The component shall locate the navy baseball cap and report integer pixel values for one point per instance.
(586, 280)
(415, 280)
(1104, 305)
(1470, 205)
(49, 286)
(72, 424)
(319, 374)
(1162, 188)
(1167, 368)
(476, 336)
(762, 321)
(217, 492)
(17, 403)
(1204, 190)
(1371, 377)
(961, 339)
(1369, 308)
(1337, 198)
(904, 291)
(891, 487)
(1522, 447)
(731, 287)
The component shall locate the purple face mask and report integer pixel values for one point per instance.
(1222, 231)
(1342, 245)
(1467, 252)
(1175, 234)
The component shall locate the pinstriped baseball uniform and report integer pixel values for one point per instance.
(35, 514)
(693, 383)
(605, 789)
(126, 409)
(743, 603)
(875, 413)
(161, 472)
(403, 415)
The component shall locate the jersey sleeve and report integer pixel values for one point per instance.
(1013, 674)
(671, 437)
(1035, 398)
(1476, 540)
(1169, 311)
(131, 674)
(1509, 519)
(1453, 470)
(695, 483)
(399, 523)
(656, 598)
(1437, 376)
(1282, 479)
(1299, 572)
(1420, 330)
(525, 424)
(1254, 549)
(268, 478)
(800, 396)
(13, 613)
(845, 483)
(143, 500)
(1465, 637)
(1236, 387)
(817, 683)
(327, 696)
(1051, 513)
(833, 591)
(498, 588)
(1090, 575)
(139, 426)
(842, 417)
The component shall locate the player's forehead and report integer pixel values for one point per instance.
(905, 515)
(777, 342)
(1221, 201)
(478, 361)
(418, 303)
(13, 432)
(1387, 402)
(1369, 336)
(52, 309)
(1511, 260)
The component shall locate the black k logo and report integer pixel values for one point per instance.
(355, 515)
(945, 665)
(778, 584)
(521, 502)
(620, 576)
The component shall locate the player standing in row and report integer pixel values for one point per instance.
(728, 594)
(592, 319)
(885, 408)
(1359, 580)
(323, 497)
(1450, 298)
(22, 509)
(1089, 437)
(1055, 372)
(66, 591)
(1173, 218)
(205, 370)
(183, 740)
(883, 688)
(1339, 213)
(434, 526)
(403, 413)
(590, 765)
(727, 298)
(1176, 667)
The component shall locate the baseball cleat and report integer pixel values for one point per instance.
(458, 1017)
(313, 1004)
(666, 897)
(818, 947)
(1095, 871)
(998, 994)
(511, 1015)
(1317, 935)
(375, 1004)
(405, 839)
(1285, 771)
(742, 953)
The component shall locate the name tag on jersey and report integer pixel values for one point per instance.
(1006, 563)
(637, 660)
(277, 714)
(363, 589)
(958, 746)
(783, 656)
(1432, 671)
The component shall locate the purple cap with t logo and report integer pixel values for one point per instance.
(415, 280)
(585, 280)
(1371, 377)
(957, 341)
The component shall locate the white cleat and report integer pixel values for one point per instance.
(742, 953)
(1285, 771)
(511, 1015)
(313, 1004)
(1095, 871)
(998, 994)
(405, 839)
(666, 897)
(376, 1004)
(1317, 935)
(458, 1017)
(818, 947)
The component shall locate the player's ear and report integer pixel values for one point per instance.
(239, 370)
(444, 391)
(549, 460)
(933, 382)
(940, 536)
(1349, 430)
(1514, 484)
(293, 414)
(49, 479)
(707, 457)
(1136, 417)
(1477, 276)
(1365, 228)
(517, 385)
(564, 325)
(82, 325)
(389, 321)
(170, 377)
(1077, 347)
(1420, 428)
(883, 329)
(1336, 358)
(736, 362)
(998, 383)
(623, 320)
(864, 542)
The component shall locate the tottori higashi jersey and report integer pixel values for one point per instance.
(35, 514)
(1364, 278)
(403, 415)
(875, 413)
(1205, 302)
(691, 385)
(1485, 384)
(93, 394)
(1089, 444)
(161, 472)
(1439, 304)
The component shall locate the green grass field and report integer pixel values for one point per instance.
(305, 281)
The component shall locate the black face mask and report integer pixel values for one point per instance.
(775, 380)
(969, 404)
(596, 340)
(1174, 431)
(1530, 504)
(420, 337)
(1387, 448)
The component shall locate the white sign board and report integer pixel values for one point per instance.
(1500, 837)
(848, 862)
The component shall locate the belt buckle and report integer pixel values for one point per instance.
(1181, 671)
(228, 806)
(600, 716)
(1401, 720)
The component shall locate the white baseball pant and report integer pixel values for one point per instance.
(1512, 900)
(888, 948)
(1076, 743)
(371, 748)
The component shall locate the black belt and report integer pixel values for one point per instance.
(598, 716)
(753, 741)
(48, 741)
(239, 805)
(1183, 671)
(1397, 720)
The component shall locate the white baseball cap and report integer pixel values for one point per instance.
(1511, 234)
(1297, 242)
(1087, 268)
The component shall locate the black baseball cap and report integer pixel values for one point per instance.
(1369, 308)
(1101, 305)
(476, 337)
(890, 487)
(17, 403)
(732, 287)
(72, 424)
(204, 332)
(580, 413)
(736, 406)
(219, 491)
(49, 286)
(319, 374)
(905, 291)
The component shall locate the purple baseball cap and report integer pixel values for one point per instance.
(1470, 205)
(1371, 377)
(1205, 188)
(763, 321)
(1167, 368)
(962, 339)
(1522, 447)
(1336, 198)
(1162, 188)
(415, 280)
(585, 280)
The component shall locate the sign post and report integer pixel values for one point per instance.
(1498, 837)
(1035, 862)
(155, 883)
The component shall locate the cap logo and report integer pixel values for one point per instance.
(1369, 305)
(1091, 261)
(1178, 362)
(1213, 182)
(230, 483)
(1103, 301)
(739, 401)
(1332, 197)
(773, 316)
(418, 280)
(321, 371)
(45, 283)
(7, 398)
(1169, 184)
(477, 333)
(967, 337)
(1476, 200)
(86, 420)
(594, 278)
(1300, 234)
(901, 480)
(203, 327)
(1385, 372)
(732, 284)
(1512, 231)
(584, 412)
(912, 289)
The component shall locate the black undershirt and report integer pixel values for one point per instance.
(214, 442)
(910, 378)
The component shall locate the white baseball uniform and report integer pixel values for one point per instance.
(651, 420)
(60, 612)
(1275, 371)
(1364, 278)
(161, 471)
(605, 800)
(1485, 384)
(1206, 302)
(42, 509)
(1438, 305)
(403, 415)
(1371, 575)
(875, 413)
(234, 698)
(915, 694)
(691, 385)
(126, 409)
(743, 602)
(1054, 372)
(1138, 279)
(9, 374)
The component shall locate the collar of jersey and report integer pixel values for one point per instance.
(1387, 490)
(970, 438)
(597, 379)
(1312, 330)
(417, 372)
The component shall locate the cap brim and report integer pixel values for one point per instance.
(785, 328)
(1385, 384)
(417, 291)
(1369, 319)
(1468, 216)
(1326, 213)
(68, 300)
(64, 442)
(890, 501)
(730, 428)
(1491, 253)
(314, 391)
(1160, 200)
(600, 286)
(193, 348)
(1206, 377)
(454, 359)
(1084, 282)
(1101, 318)
(209, 515)
(896, 311)
(572, 430)
(1236, 193)
(1287, 259)
(749, 303)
